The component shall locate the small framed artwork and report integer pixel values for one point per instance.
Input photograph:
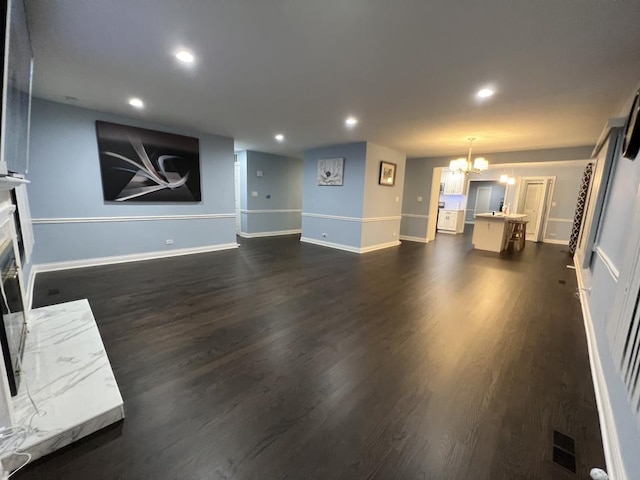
(330, 171)
(387, 174)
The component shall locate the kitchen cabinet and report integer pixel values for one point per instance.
(454, 183)
(451, 221)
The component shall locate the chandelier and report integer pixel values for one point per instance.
(466, 166)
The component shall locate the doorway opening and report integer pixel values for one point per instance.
(533, 198)
(485, 196)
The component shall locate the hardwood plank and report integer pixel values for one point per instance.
(288, 360)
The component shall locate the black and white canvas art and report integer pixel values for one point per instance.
(140, 165)
(330, 171)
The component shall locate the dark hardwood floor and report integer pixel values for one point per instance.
(283, 360)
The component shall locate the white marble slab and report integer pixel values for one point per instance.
(68, 374)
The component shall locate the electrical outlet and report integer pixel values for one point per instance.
(254, 194)
(394, 234)
(324, 235)
(259, 173)
(169, 241)
(419, 199)
(552, 234)
(553, 204)
(397, 199)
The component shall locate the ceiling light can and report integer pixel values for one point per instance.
(136, 102)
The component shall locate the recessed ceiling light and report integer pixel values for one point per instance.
(485, 93)
(279, 137)
(185, 56)
(351, 122)
(136, 102)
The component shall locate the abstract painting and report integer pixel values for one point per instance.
(330, 171)
(140, 165)
(387, 174)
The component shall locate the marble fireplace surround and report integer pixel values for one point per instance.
(69, 377)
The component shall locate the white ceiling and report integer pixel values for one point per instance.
(408, 69)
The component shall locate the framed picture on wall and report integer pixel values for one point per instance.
(330, 171)
(387, 174)
(140, 165)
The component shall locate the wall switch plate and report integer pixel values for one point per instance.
(259, 173)
(419, 199)
(254, 194)
(397, 199)
(169, 241)
(553, 204)
(394, 234)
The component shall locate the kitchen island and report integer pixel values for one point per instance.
(490, 230)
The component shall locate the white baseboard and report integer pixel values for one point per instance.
(610, 438)
(348, 248)
(269, 234)
(409, 238)
(379, 246)
(555, 242)
(134, 257)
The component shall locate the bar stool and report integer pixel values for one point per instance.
(517, 233)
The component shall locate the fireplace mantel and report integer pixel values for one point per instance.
(8, 182)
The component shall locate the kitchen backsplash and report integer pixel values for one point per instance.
(454, 202)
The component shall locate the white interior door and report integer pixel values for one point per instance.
(532, 206)
(483, 198)
(236, 179)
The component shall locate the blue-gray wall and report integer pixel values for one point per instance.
(419, 174)
(497, 194)
(344, 201)
(71, 219)
(278, 204)
(607, 279)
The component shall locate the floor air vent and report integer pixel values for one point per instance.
(564, 451)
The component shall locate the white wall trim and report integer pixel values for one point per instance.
(379, 246)
(141, 218)
(270, 211)
(322, 243)
(563, 220)
(134, 257)
(349, 248)
(351, 219)
(269, 234)
(331, 217)
(555, 241)
(552, 163)
(414, 215)
(409, 238)
(381, 219)
(613, 271)
(610, 439)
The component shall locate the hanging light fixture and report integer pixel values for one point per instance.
(504, 178)
(466, 166)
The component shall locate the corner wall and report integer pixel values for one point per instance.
(382, 204)
(73, 223)
(332, 215)
(277, 205)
